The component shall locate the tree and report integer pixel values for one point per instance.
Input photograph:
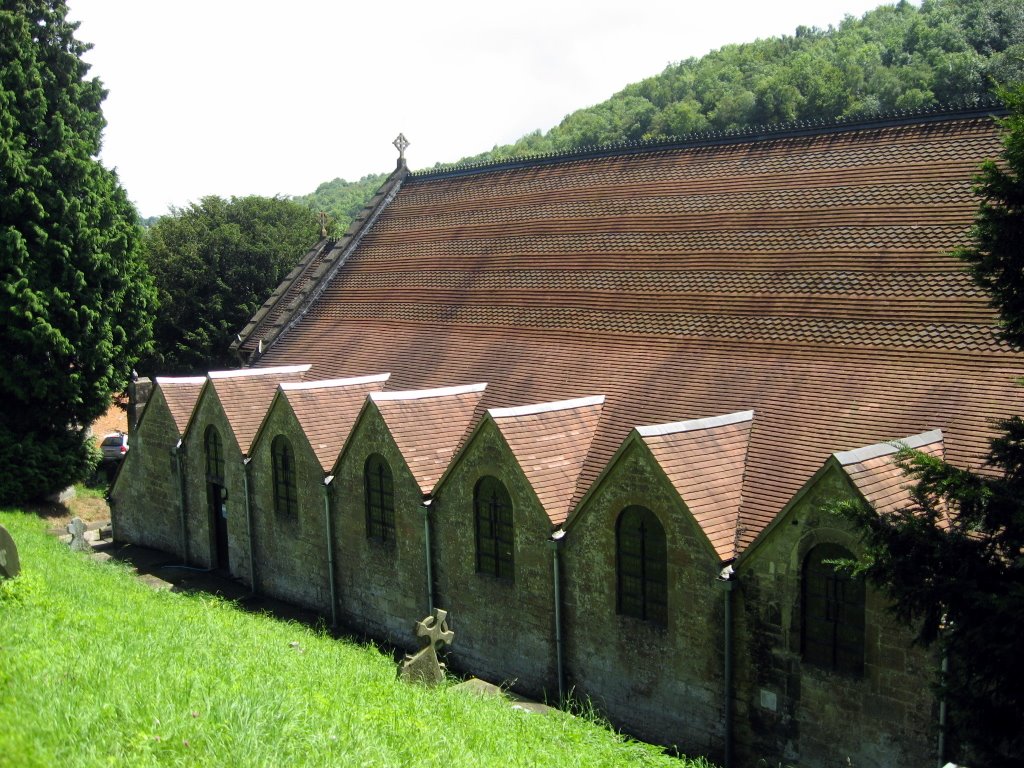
(75, 296)
(215, 263)
(953, 562)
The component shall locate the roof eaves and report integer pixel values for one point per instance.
(279, 293)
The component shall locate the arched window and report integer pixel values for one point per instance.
(833, 612)
(492, 508)
(214, 450)
(285, 496)
(641, 565)
(380, 499)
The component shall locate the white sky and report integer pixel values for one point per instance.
(269, 97)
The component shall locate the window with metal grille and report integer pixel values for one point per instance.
(380, 499)
(285, 495)
(214, 450)
(833, 612)
(641, 566)
(492, 509)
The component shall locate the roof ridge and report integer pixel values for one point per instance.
(165, 380)
(555, 405)
(978, 105)
(857, 455)
(692, 425)
(419, 394)
(241, 372)
(291, 386)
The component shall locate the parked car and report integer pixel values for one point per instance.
(114, 447)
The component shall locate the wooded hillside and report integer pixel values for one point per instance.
(894, 57)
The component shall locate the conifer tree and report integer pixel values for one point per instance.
(74, 292)
(953, 562)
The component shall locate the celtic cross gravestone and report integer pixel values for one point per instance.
(424, 666)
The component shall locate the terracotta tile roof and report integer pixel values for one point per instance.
(327, 410)
(550, 441)
(878, 478)
(805, 277)
(181, 394)
(245, 396)
(428, 425)
(705, 459)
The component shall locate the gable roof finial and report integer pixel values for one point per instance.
(401, 143)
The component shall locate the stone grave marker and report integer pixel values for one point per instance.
(77, 530)
(424, 666)
(10, 566)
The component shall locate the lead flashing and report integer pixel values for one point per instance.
(845, 458)
(279, 370)
(655, 430)
(418, 394)
(558, 405)
(291, 386)
(164, 381)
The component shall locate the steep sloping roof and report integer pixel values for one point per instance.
(181, 394)
(245, 395)
(705, 459)
(550, 442)
(878, 478)
(428, 425)
(805, 276)
(327, 410)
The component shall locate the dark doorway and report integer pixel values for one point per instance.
(218, 497)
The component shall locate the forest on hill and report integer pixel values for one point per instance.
(894, 57)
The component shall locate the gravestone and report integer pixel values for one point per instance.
(424, 666)
(10, 566)
(77, 530)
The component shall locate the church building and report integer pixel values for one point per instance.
(599, 406)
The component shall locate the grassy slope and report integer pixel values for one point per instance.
(98, 669)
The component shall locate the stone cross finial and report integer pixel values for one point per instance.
(323, 223)
(424, 667)
(400, 144)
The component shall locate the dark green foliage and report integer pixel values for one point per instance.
(956, 556)
(74, 295)
(996, 259)
(214, 264)
(895, 57)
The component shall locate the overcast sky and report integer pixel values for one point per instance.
(229, 98)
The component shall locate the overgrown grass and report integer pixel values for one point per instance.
(98, 669)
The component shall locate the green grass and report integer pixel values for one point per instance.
(97, 669)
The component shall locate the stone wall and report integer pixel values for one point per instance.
(793, 712)
(664, 684)
(504, 629)
(145, 500)
(291, 552)
(382, 585)
(201, 544)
